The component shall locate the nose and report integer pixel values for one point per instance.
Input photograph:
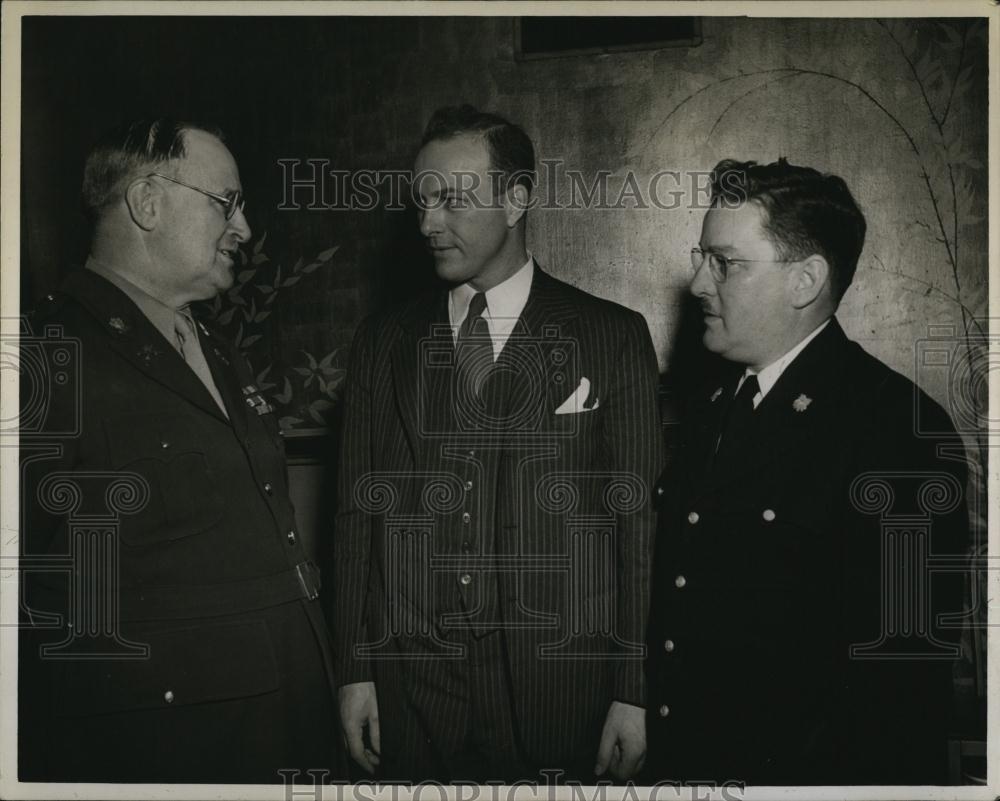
(240, 227)
(430, 221)
(703, 285)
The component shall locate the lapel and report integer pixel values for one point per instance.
(543, 346)
(136, 339)
(423, 327)
(226, 374)
(706, 424)
(803, 403)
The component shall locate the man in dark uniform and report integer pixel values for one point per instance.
(495, 517)
(796, 632)
(173, 631)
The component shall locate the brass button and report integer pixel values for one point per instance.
(164, 444)
(659, 490)
(291, 537)
(668, 646)
(465, 579)
(168, 696)
(768, 515)
(472, 453)
(664, 711)
(693, 517)
(268, 488)
(466, 517)
(468, 486)
(680, 581)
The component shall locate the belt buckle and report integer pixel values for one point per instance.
(309, 579)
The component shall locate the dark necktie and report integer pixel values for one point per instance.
(740, 414)
(474, 359)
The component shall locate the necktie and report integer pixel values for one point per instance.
(740, 414)
(473, 360)
(190, 350)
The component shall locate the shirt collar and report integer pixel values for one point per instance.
(504, 302)
(156, 311)
(769, 376)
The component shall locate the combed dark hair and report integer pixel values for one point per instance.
(129, 150)
(806, 212)
(512, 155)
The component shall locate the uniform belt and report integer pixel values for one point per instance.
(302, 582)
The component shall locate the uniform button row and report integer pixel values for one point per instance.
(659, 491)
(680, 581)
(168, 696)
(291, 537)
(465, 579)
(468, 486)
(664, 711)
(268, 488)
(668, 646)
(466, 517)
(693, 518)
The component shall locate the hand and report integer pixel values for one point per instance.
(623, 741)
(359, 708)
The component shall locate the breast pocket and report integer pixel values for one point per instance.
(169, 452)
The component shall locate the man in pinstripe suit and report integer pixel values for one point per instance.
(494, 531)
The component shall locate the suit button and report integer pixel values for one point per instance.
(693, 518)
(668, 646)
(664, 711)
(465, 579)
(268, 488)
(291, 537)
(680, 581)
(466, 517)
(468, 486)
(768, 515)
(168, 696)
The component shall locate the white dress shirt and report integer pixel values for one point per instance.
(504, 304)
(769, 376)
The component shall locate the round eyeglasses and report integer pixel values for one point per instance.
(231, 202)
(718, 265)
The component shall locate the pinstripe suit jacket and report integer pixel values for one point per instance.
(571, 513)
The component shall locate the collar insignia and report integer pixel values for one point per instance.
(118, 324)
(147, 353)
(801, 403)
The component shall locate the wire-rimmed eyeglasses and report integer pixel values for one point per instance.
(718, 265)
(231, 203)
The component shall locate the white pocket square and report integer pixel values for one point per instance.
(574, 403)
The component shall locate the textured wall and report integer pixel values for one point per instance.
(879, 104)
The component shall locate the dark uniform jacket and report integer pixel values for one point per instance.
(535, 523)
(809, 535)
(190, 645)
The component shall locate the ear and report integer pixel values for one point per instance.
(516, 204)
(808, 280)
(143, 199)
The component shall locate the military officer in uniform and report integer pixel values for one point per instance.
(795, 636)
(184, 642)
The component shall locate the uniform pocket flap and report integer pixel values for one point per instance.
(185, 666)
